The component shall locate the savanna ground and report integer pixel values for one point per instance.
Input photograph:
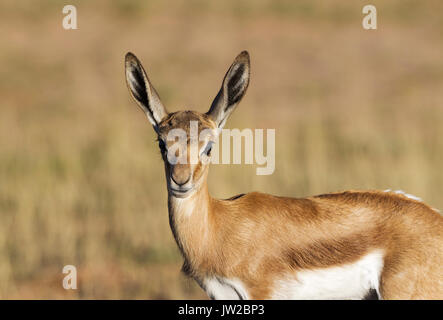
(81, 179)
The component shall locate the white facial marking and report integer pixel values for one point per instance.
(225, 289)
(350, 281)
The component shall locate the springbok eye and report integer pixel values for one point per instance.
(162, 146)
(208, 149)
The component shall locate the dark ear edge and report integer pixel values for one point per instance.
(142, 91)
(235, 84)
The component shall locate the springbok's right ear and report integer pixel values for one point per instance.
(142, 90)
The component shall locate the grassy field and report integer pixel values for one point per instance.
(81, 179)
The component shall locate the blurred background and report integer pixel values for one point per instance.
(82, 181)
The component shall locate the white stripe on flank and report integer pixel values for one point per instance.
(349, 281)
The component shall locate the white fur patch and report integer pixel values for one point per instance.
(184, 207)
(225, 289)
(407, 195)
(350, 281)
(410, 196)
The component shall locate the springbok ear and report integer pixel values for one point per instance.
(142, 91)
(233, 89)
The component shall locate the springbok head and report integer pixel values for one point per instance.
(186, 137)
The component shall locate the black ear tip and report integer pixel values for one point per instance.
(243, 57)
(244, 53)
(131, 59)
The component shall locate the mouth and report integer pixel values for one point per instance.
(180, 193)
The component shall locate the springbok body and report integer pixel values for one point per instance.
(259, 246)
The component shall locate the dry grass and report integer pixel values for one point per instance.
(81, 181)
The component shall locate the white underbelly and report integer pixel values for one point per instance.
(225, 289)
(350, 281)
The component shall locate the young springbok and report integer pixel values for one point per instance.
(259, 246)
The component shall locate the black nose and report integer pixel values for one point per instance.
(180, 182)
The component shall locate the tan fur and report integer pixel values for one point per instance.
(258, 237)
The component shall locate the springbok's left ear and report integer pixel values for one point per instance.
(233, 89)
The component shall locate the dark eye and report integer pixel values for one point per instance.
(162, 146)
(208, 148)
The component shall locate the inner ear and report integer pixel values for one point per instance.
(142, 90)
(236, 84)
(137, 83)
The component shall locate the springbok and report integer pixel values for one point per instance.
(259, 246)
